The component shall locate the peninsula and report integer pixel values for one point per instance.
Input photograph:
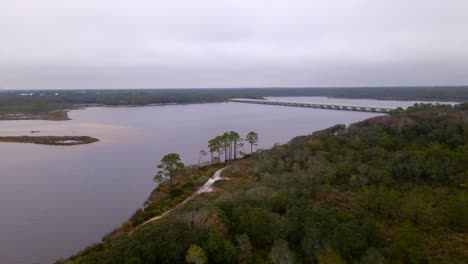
(390, 189)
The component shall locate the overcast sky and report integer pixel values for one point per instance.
(215, 43)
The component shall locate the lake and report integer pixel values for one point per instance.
(55, 200)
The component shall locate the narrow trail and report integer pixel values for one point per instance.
(205, 188)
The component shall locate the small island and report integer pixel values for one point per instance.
(50, 116)
(51, 140)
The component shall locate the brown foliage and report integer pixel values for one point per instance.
(395, 123)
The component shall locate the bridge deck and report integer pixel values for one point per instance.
(374, 109)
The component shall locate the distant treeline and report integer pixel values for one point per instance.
(49, 100)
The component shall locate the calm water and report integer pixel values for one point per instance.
(55, 200)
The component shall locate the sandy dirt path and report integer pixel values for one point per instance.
(205, 188)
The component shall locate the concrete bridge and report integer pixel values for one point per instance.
(373, 109)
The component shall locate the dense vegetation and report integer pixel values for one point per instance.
(49, 100)
(391, 189)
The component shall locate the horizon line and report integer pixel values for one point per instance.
(246, 87)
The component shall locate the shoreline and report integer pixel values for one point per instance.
(62, 114)
(84, 106)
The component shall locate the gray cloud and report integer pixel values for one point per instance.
(186, 43)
